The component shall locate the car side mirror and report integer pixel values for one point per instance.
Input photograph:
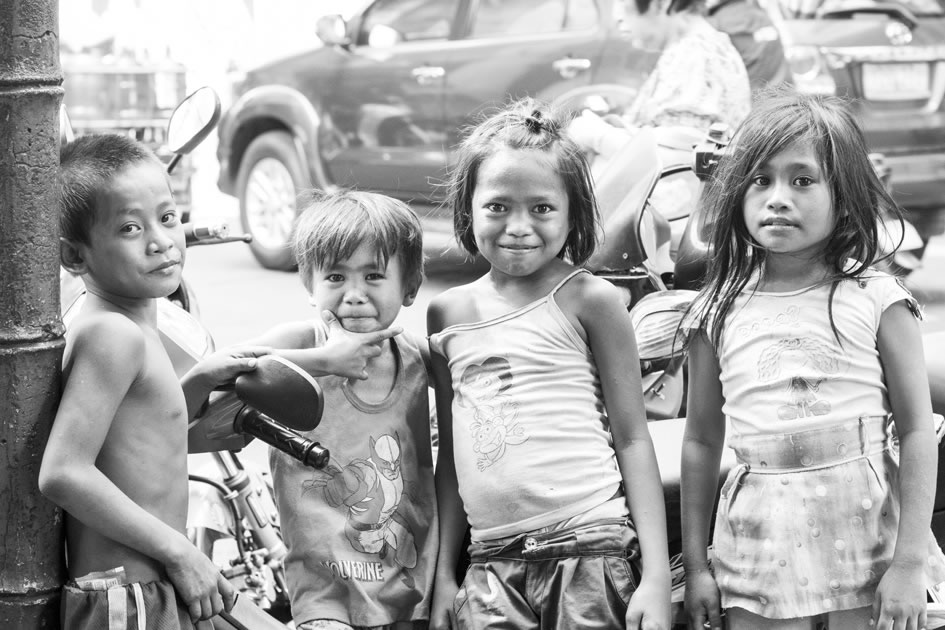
(382, 36)
(332, 30)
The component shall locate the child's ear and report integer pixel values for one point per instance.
(70, 256)
(411, 294)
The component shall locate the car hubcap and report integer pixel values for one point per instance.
(270, 203)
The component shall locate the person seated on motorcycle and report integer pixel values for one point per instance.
(116, 459)
(755, 38)
(361, 533)
(699, 78)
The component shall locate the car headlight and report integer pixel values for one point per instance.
(810, 70)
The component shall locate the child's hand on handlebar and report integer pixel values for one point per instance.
(350, 352)
(200, 584)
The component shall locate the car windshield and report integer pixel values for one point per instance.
(795, 9)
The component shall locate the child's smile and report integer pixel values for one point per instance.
(520, 211)
(137, 242)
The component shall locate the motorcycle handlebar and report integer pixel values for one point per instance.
(259, 425)
(196, 234)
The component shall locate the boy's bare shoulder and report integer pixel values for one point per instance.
(106, 333)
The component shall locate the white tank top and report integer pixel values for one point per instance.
(531, 438)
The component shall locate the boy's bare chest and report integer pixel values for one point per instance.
(155, 400)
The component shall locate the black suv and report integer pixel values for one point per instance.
(379, 105)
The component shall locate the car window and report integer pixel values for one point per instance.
(410, 20)
(502, 18)
(809, 8)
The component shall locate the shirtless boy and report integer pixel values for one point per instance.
(116, 460)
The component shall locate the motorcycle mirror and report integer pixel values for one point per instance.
(192, 121)
(283, 391)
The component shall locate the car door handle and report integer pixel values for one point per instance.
(569, 67)
(425, 75)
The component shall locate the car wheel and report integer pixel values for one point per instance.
(270, 176)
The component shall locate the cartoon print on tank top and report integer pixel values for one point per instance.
(482, 388)
(369, 491)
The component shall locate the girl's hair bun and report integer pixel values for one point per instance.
(534, 121)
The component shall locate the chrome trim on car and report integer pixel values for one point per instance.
(886, 53)
(898, 33)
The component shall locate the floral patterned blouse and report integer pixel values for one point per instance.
(700, 79)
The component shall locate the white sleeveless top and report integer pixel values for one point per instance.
(531, 439)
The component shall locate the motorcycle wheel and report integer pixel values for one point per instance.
(270, 176)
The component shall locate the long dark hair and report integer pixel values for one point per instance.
(526, 124)
(779, 119)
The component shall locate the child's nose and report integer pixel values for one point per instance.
(778, 195)
(160, 242)
(355, 294)
(518, 223)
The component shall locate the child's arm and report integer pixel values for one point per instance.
(107, 357)
(611, 338)
(701, 456)
(344, 353)
(901, 592)
(450, 509)
(215, 370)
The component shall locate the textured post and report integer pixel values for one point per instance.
(31, 559)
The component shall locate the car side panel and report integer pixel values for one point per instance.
(387, 123)
(480, 75)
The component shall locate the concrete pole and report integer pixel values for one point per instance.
(31, 552)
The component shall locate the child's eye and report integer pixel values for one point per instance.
(760, 180)
(129, 228)
(170, 218)
(335, 277)
(543, 209)
(803, 181)
(375, 276)
(495, 207)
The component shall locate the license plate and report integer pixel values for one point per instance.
(896, 81)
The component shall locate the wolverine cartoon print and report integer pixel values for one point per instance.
(370, 491)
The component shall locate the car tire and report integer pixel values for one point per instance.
(270, 177)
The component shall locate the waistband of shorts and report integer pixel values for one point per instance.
(815, 448)
(606, 537)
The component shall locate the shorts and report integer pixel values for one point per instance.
(151, 606)
(807, 522)
(574, 578)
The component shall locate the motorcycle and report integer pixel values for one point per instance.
(232, 516)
